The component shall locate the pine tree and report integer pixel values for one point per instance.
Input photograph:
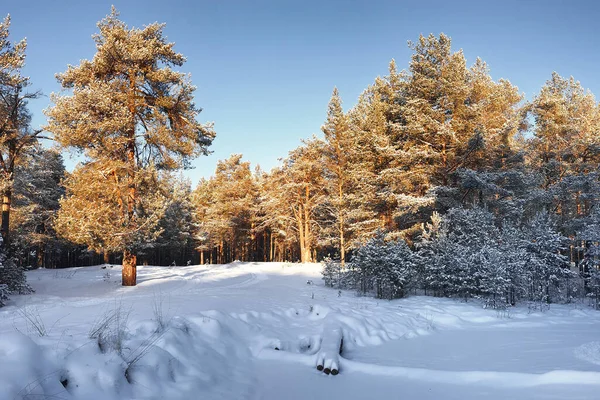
(372, 199)
(385, 267)
(16, 135)
(339, 152)
(456, 252)
(12, 277)
(176, 241)
(275, 216)
(333, 273)
(546, 266)
(296, 205)
(573, 198)
(226, 207)
(512, 247)
(435, 109)
(589, 235)
(131, 115)
(38, 190)
(567, 119)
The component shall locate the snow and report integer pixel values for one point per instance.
(258, 331)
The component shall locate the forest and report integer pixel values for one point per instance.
(438, 179)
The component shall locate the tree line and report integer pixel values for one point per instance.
(418, 144)
(436, 136)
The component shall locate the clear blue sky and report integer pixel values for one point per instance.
(265, 69)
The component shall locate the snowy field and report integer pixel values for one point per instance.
(256, 331)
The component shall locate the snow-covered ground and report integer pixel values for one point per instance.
(256, 331)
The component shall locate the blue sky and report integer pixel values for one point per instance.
(265, 69)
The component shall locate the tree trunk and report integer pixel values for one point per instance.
(129, 259)
(301, 236)
(342, 243)
(6, 200)
(445, 165)
(307, 256)
(40, 256)
(129, 269)
(341, 223)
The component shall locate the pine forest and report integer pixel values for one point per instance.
(437, 180)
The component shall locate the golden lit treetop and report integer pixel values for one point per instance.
(12, 57)
(129, 94)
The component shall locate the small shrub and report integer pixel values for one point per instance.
(110, 329)
(34, 321)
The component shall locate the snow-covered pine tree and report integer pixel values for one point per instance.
(372, 200)
(12, 277)
(545, 266)
(131, 114)
(297, 197)
(431, 269)
(340, 170)
(16, 135)
(397, 271)
(385, 267)
(494, 282)
(226, 207)
(333, 273)
(513, 250)
(590, 266)
(176, 241)
(573, 197)
(451, 251)
(37, 192)
(453, 116)
(566, 139)
(365, 261)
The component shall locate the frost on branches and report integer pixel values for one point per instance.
(467, 254)
(590, 239)
(384, 268)
(12, 277)
(132, 115)
(464, 254)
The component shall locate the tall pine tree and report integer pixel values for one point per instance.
(130, 114)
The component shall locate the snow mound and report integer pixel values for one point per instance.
(31, 371)
(589, 352)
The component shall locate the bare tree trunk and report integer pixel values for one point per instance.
(41, 255)
(301, 236)
(6, 202)
(307, 254)
(342, 242)
(129, 269)
(445, 165)
(341, 222)
(220, 257)
(266, 250)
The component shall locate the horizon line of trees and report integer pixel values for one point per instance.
(437, 136)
